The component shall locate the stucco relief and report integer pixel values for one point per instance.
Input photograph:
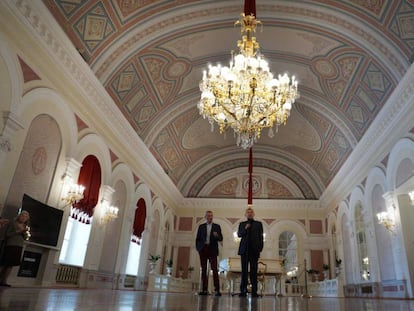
(256, 184)
(275, 189)
(374, 6)
(39, 159)
(226, 188)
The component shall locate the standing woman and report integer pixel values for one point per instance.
(17, 231)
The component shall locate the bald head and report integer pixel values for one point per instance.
(249, 213)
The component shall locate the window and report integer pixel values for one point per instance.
(75, 243)
(362, 243)
(288, 251)
(134, 252)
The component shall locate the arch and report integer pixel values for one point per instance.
(153, 246)
(36, 166)
(134, 261)
(34, 103)
(332, 235)
(166, 233)
(357, 195)
(403, 149)
(379, 242)
(122, 172)
(147, 241)
(143, 191)
(112, 245)
(292, 226)
(345, 240)
(349, 253)
(38, 101)
(93, 144)
(362, 239)
(11, 77)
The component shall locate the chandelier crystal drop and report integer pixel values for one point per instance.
(245, 96)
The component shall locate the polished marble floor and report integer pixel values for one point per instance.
(40, 299)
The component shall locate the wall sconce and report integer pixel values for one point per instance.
(236, 238)
(411, 195)
(71, 192)
(385, 219)
(109, 212)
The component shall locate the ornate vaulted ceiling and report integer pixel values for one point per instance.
(149, 55)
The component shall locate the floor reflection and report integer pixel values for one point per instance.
(33, 299)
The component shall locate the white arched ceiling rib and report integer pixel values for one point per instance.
(351, 28)
(331, 113)
(13, 73)
(207, 163)
(181, 106)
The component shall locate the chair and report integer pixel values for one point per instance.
(261, 273)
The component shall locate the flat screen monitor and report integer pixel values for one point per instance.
(45, 221)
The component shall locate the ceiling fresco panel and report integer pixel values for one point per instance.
(149, 55)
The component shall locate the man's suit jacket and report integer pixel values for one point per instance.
(251, 239)
(202, 237)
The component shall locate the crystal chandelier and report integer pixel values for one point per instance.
(245, 96)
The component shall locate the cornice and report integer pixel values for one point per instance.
(392, 123)
(241, 204)
(100, 112)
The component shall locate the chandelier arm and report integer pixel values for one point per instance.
(227, 110)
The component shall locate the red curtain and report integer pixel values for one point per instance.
(250, 7)
(90, 178)
(139, 220)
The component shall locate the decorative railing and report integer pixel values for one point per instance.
(326, 288)
(164, 283)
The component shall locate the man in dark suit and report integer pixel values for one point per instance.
(251, 244)
(208, 236)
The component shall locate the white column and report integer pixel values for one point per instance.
(11, 125)
(397, 240)
(96, 238)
